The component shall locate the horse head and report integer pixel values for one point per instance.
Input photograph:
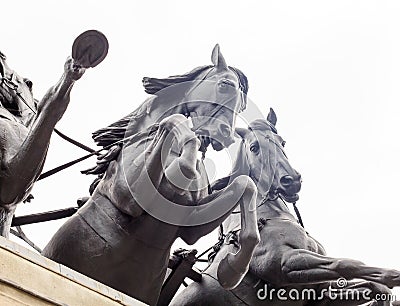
(211, 95)
(262, 153)
(12, 88)
(222, 97)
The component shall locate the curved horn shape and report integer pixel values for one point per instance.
(218, 59)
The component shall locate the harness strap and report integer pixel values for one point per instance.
(65, 166)
(74, 142)
(298, 214)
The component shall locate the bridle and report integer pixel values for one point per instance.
(267, 196)
(231, 237)
(211, 113)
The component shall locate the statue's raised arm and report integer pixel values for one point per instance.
(26, 125)
(25, 130)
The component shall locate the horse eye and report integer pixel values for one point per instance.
(283, 143)
(254, 148)
(28, 83)
(225, 85)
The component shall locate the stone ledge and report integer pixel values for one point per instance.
(27, 278)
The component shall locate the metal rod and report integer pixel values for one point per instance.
(43, 217)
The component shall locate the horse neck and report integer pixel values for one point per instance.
(265, 209)
(152, 111)
(273, 208)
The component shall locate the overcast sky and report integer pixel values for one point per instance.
(330, 69)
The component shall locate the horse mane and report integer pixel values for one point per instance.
(154, 85)
(243, 86)
(262, 125)
(117, 130)
(113, 151)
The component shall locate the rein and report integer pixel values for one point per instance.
(297, 211)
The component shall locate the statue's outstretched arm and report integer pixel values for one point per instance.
(22, 156)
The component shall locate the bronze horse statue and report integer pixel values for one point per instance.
(287, 257)
(26, 126)
(152, 189)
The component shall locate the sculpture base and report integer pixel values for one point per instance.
(27, 278)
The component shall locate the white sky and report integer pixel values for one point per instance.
(330, 69)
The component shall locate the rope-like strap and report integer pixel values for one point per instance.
(74, 142)
(65, 166)
(298, 215)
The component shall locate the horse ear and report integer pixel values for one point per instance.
(241, 132)
(218, 59)
(271, 118)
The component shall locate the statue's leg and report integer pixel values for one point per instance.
(354, 293)
(304, 267)
(241, 191)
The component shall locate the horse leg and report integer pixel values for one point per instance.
(301, 266)
(242, 191)
(233, 267)
(151, 164)
(354, 293)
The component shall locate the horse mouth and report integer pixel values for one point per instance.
(216, 145)
(206, 141)
(285, 195)
(290, 198)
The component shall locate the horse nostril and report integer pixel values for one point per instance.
(286, 180)
(225, 130)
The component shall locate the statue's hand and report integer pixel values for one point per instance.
(56, 100)
(73, 69)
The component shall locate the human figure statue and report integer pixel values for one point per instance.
(26, 126)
